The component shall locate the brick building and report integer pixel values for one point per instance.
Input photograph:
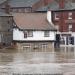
(6, 22)
(63, 17)
(64, 20)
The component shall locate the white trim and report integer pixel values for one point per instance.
(70, 15)
(56, 16)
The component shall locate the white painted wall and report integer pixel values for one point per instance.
(37, 35)
(49, 17)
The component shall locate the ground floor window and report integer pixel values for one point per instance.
(44, 46)
(36, 46)
(67, 40)
(62, 41)
(26, 47)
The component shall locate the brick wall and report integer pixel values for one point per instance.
(63, 20)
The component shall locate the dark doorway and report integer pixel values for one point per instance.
(72, 40)
(57, 42)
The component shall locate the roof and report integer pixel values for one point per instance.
(1, 1)
(54, 5)
(32, 21)
(22, 3)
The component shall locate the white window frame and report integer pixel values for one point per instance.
(29, 33)
(70, 27)
(70, 15)
(46, 33)
(56, 16)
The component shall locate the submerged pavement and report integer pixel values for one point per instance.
(22, 62)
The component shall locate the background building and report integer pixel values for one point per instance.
(64, 20)
(6, 22)
(63, 14)
(63, 17)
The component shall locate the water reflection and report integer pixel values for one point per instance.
(6, 58)
(23, 61)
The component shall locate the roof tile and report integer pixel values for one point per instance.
(34, 21)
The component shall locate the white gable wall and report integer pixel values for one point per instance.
(37, 36)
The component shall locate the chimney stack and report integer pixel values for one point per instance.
(61, 4)
(49, 16)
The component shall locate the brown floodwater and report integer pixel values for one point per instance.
(60, 61)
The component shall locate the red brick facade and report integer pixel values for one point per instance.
(74, 21)
(63, 18)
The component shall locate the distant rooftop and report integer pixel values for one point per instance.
(22, 3)
(1, 1)
(54, 5)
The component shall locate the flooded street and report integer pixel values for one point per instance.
(21, 62)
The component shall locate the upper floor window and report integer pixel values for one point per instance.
(70, 27)
(56, 16)
(25, 34)
(46, 33)
(70, 15)
(28, 34)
